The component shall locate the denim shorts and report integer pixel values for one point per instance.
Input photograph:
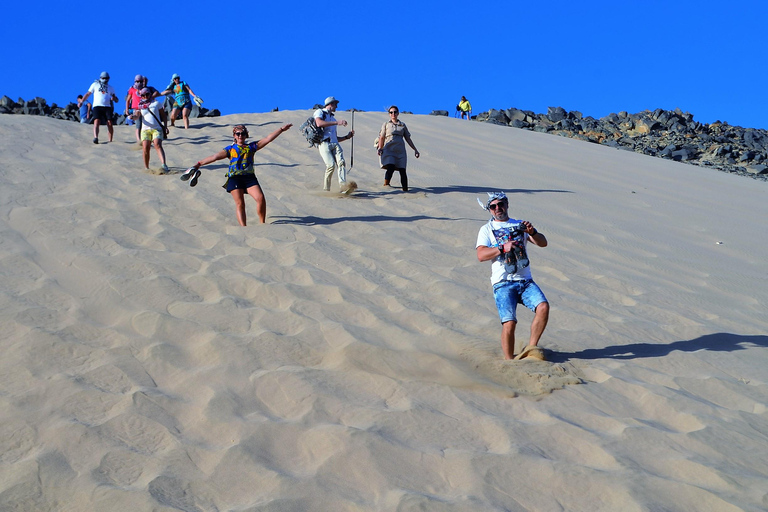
(509, 294)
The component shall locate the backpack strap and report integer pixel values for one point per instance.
(158, 121)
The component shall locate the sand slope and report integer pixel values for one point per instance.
(345, 356)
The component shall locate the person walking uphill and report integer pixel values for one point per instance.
(465, 108)
(241, 177)
(503, 241)
(391, 147)
(330, 149)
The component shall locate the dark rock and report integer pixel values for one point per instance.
(39, 107)
(497, 117)
(439, 113)
(556, 114)
(514, 114)
(681, 155)
(671, 134)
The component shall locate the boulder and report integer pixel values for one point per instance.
(439, 113)
(556, 114)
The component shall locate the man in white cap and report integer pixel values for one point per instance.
(503, 241)
(103, 96)
(330, 149)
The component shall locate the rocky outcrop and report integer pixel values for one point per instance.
(670, 134)
(39, 107)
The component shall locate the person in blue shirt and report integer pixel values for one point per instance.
(85, 109)
(241, 177)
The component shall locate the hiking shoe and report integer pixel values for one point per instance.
(95, 140)
(187, 174)
(166, 170)
(194, 178)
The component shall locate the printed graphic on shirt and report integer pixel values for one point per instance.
(516, 259)
(241, 158)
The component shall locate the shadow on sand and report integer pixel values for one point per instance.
(483, 190)
(719, 342)
(311, 220)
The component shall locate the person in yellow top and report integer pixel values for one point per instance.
(466, 108)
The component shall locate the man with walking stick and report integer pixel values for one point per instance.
(330, 149)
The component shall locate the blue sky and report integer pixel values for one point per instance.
(707, 58)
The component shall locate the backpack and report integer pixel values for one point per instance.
(311, 132)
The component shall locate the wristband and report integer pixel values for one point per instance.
(535, 232)
(501, 250)
(198, 165)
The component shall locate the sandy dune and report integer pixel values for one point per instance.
(345, 356)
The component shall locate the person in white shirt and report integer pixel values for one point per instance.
(503, 241)
(103, 98)
(330, 149)
(154, 126)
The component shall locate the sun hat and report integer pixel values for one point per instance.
(492, 196)
(329, 100)
(104, 74)
(175, 76)
(144, 91)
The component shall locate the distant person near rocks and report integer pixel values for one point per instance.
(132, 100)
(103, 97)
(503, 241)
(241, 177)
(181, 92)
(84, 109)
(391, 147)
(330, 149)
(154, 124)
(465, 108)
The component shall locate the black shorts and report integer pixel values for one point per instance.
(243, 181)
(103, 114)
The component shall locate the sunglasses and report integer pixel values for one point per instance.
(394, 112)
(495, 205)
(241, 134)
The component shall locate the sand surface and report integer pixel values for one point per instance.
(345, 356)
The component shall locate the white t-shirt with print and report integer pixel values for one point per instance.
(506, 267)
(102, 94)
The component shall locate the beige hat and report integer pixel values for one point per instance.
(329, 100)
